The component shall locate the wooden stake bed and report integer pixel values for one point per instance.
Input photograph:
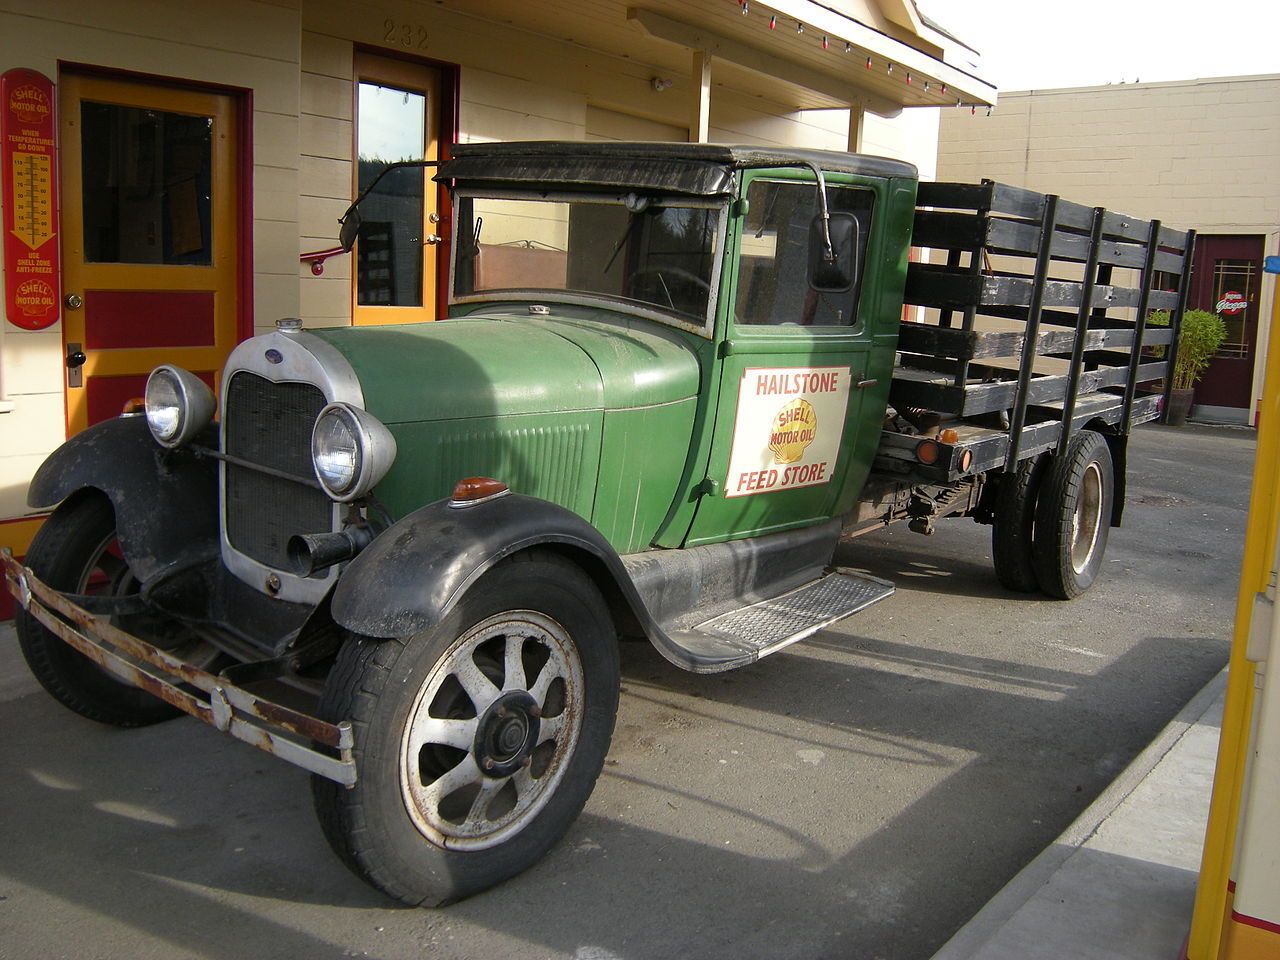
(1037, 318)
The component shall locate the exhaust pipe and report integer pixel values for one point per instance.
(312, 553)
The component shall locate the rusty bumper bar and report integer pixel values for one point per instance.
(279, 730)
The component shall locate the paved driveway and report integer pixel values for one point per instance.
(859, 795)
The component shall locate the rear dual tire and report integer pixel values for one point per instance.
(1052, 519)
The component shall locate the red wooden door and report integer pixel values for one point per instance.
(1224, 280)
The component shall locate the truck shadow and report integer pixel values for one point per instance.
(956, 560)
(739, 815)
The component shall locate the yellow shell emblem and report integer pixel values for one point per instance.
(794, 428)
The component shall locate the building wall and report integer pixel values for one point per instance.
(250, 44)
(295, 57)
(1198, 154)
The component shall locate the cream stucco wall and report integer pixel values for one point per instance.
(1195, 154)
(249, 44)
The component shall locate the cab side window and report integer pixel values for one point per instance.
(773, 276)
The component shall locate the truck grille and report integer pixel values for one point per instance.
(270, 424)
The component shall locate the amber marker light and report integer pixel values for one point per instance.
(948, 436)
(134, 407)
(474, 489)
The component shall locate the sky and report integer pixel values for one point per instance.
(1038, 44)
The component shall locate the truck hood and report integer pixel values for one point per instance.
(508, 362)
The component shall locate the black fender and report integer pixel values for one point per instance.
(166, 501)
(414, 572)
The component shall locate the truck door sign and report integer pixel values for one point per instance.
(788, 428)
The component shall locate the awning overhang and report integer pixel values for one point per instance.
(858, 66)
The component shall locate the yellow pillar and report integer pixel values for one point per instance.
(1217, 931)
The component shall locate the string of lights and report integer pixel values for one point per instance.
(744, 7)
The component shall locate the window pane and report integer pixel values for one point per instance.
(1236, 277)
(146, 185)
(636, 249)
(773, 279)
(391, 127)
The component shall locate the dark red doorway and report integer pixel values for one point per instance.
(1225, 280)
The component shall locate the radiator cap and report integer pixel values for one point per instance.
(289, 324)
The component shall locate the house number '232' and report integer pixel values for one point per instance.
(404, 34)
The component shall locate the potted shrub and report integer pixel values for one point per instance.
(1199, 337)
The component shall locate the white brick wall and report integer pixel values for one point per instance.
(1199, 154)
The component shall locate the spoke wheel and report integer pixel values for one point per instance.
(492, 731)
(76, 551)
(1073, 516)
(478, 741)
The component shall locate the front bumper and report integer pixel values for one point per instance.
(318, 746)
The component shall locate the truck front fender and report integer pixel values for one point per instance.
(166, 501)
(410, 577)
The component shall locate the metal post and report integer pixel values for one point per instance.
(1175, 318)
(976, 258)
(1140, 325)
(1048, 223)
(1082, 328)
(700, 109)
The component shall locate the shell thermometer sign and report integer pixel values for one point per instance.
(788, 428)
(28, 184)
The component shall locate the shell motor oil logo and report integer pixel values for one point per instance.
(793, 430)
(1231, 302)
(29, 104)
(34, 298)
(788, 428)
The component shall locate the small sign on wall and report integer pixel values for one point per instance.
(30, 184)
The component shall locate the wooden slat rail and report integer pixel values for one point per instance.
(1078, 284)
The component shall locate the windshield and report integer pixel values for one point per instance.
(646, 251)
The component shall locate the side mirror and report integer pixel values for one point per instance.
(350, 227)
(833, 253)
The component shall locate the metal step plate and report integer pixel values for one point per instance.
(773, 624)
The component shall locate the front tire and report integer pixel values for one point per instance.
(478, 741)
(1073, 516)
(75, 551)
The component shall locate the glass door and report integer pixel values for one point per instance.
(397, 254)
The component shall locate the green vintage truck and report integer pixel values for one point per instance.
(672, 379)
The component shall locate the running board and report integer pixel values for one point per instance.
(742, 636)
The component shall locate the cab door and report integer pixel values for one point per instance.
(794, 368)
(150, 236)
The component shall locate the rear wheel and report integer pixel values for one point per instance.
(76, 552)
(1073, 516)
(1012, 525)
(477, 741)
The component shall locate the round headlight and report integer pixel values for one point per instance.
(335, 447)
(351, 451)
(178, 405)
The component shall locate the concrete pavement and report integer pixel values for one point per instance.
(860, 795)
(1120, 883)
